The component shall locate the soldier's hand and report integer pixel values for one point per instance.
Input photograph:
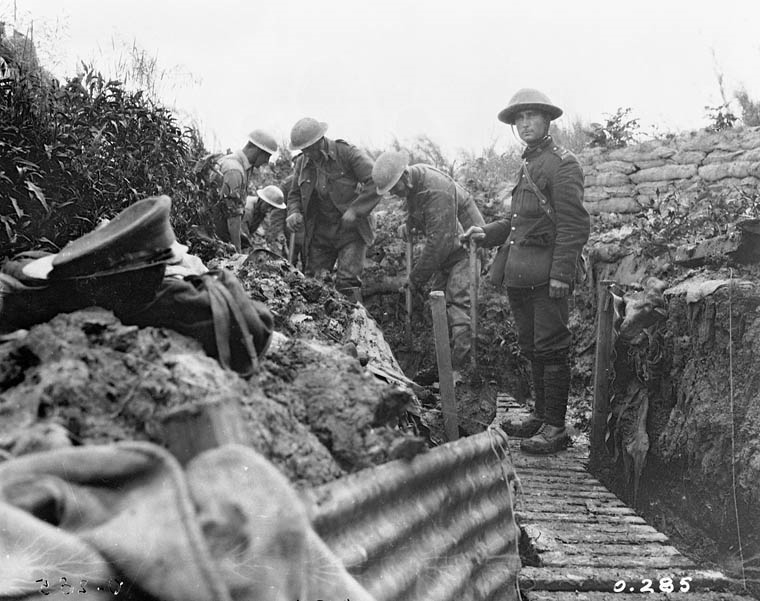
(558, 289)
(349, 217)
(474, 233)
(294, 222)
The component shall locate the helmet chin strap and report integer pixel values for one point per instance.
(523, 143)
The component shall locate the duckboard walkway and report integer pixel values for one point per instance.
(581, 542)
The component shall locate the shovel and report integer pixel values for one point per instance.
(292, 248)
(408, 291)
(473, 249)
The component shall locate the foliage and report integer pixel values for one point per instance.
(137, 69)
(674, 221)
(424, 150)
(75, 153)
(750, 108)
(489, 178)
(721, 117)
(617, 131)
(575, 137)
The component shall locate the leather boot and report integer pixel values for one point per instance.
(552, 436)
(523, 428)
(548, 439)
(528, 426)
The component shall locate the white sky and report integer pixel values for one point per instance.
(403, 67)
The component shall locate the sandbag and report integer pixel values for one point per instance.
(126, 519)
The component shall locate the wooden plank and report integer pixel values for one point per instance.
(559, 474)
(558, 559)
(602, 368)
(578, 518)
(549, 465)
(551, 480)
(531, 490)
(443, 356)
(604, 579)
(635, 549)
(567, 535)
(693, 255)
(619, 529)
(544, 540)
(585, 497)
(590, 506)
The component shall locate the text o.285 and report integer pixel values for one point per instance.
(664, 585)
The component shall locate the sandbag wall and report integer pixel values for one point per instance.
(633, 178)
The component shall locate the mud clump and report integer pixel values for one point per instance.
(311, 411)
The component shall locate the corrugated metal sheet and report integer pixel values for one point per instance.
(439, 527)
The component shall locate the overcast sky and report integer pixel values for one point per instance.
(375, 70)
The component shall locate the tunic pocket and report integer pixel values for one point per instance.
(529, 265)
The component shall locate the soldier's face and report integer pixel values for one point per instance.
(400, 189)
(313, 152)
(531, 126)
(262, 158)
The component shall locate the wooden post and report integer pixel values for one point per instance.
(473, 305)
(602, 366)
(196, 427)
(443, 356)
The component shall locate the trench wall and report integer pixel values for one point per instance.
(710, 353)
(630, 179)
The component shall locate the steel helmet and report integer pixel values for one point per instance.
(527, 99)
(272, 195)
(305, 132)
(388, 169)
(265, 141)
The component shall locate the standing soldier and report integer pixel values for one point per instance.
(331, 198)
(233, 171)
(544, 237)
(441, 210)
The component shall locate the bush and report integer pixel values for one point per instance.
(618, 130)
(720, 117)
(73, 154)
(750, 108)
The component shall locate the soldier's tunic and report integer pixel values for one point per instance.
(233, 172)
(441, 210)
(322, 191)
(545, 234)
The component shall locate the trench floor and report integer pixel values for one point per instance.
(580, 542)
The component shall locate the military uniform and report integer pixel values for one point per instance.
(258, 211)
(232, 178)
(545, 235)
(441, 210)
(322, 191)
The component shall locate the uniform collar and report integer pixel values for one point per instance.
(329, 150)
(240, 155)
(414, 180)
(537, 148)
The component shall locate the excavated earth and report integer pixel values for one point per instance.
(313, 409)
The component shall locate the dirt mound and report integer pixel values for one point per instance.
(85, 378)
